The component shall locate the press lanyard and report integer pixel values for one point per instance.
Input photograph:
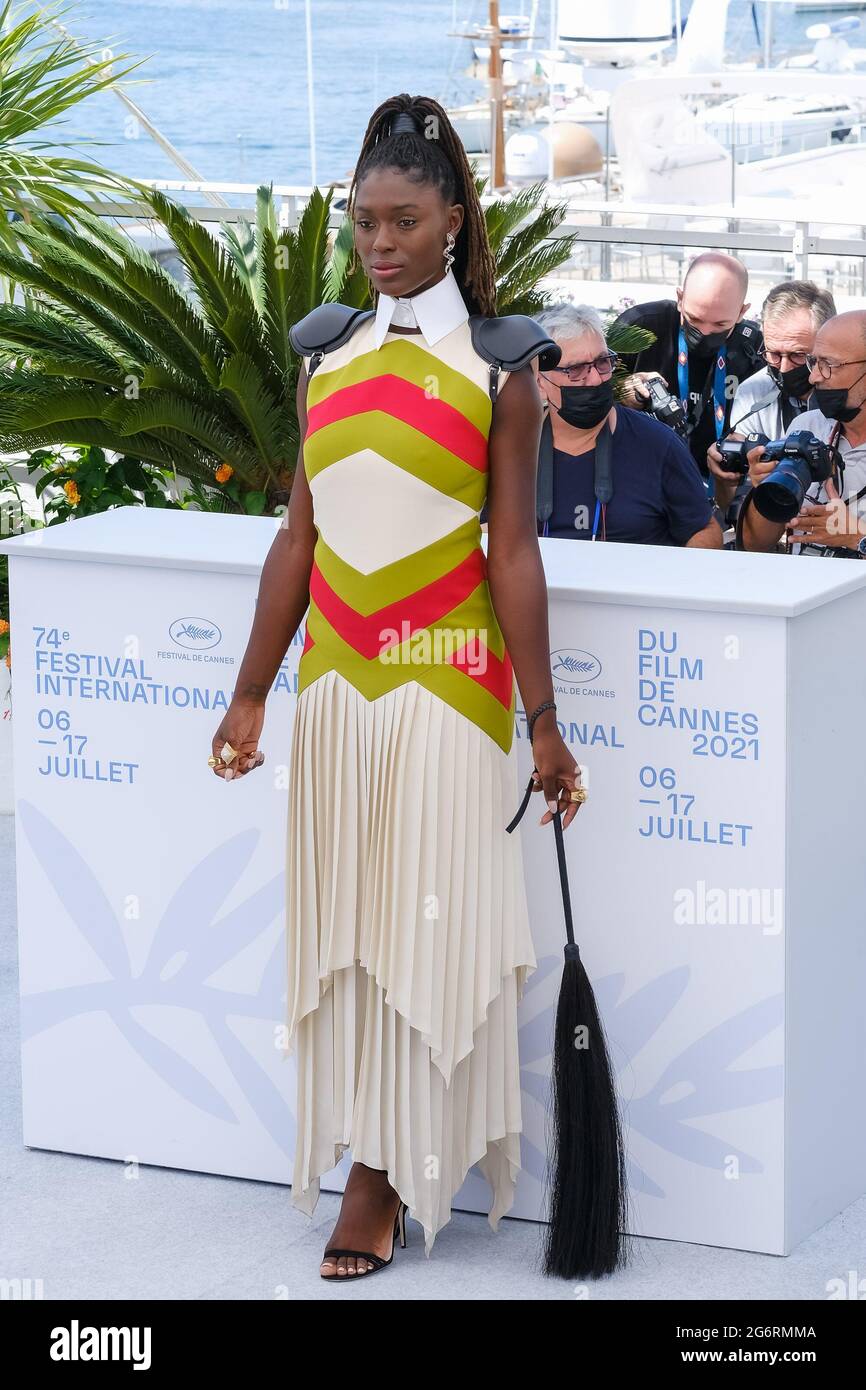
(720, 377)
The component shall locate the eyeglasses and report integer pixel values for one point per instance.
(796, 359)
(826, 368)
(578, 371)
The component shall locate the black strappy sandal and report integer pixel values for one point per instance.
(376, 1261)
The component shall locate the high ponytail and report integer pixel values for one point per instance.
(433, 154)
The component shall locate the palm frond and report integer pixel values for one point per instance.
(65, 260)
(133, 267)
(112, 327)
(504, 216)
(311, 242)
(59, 348)
(628, 337)
(45, 72)
(46, 402)
(162, 410)
(337, 270)
(211, 268)
(274, 287)
(255, 405)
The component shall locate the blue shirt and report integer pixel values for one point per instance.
(659, 496)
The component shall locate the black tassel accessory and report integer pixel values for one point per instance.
(588, 1207)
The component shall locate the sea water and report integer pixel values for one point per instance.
(226, 80)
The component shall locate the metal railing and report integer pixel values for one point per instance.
(783, 239)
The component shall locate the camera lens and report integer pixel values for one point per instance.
(780, 496)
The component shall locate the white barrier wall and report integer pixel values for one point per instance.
(717, 883)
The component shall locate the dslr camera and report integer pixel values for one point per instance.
(734, 451)
(665, 407)
(803, 459)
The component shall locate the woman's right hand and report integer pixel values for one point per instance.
(241, 728)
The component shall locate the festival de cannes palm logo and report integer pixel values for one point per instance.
(574, 667)
(196, 633)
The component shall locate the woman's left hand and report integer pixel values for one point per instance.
(556, 772)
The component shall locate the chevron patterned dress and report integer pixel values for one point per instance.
(407, 922)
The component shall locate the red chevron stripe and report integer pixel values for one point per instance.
(494, 674)
(417, 610)
(393, 395)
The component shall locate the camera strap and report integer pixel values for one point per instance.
(544, 476)
(602, 476)
(602, 479)
(833, 443)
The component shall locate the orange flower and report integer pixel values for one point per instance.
(4, 626)
(72, 493)
(224, 472)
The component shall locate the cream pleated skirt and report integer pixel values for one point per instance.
(408, 946)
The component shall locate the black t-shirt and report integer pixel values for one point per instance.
(662, 317)
(659, 497)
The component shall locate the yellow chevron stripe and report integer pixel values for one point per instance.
(369, 592)
(413, 363)
(400, 444)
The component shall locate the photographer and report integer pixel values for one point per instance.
(606, 472)
(829, 519)
(703, 349)
(769, 401)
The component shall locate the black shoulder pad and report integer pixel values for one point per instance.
(326, 327)
(511, 341)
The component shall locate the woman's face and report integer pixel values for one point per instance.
(400, 231)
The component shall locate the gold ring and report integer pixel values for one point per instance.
(214, 762)
(228, 753)
(579, 794)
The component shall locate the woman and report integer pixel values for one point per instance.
(408, 933)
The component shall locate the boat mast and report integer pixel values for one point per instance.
(768, 36)
(497, 120)
(310, 99)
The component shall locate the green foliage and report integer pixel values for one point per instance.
(111, 353)
(626, 338)
(114, 354)
(44, 72)
(81, 482)
(526, 246)
(88, 482)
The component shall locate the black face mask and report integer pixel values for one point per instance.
(832, 402)
(794, 382)
(702, 344)
(585, 406)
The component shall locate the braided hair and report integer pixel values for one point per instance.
(433, 154)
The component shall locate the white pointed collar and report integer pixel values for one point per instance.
(436, 311)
